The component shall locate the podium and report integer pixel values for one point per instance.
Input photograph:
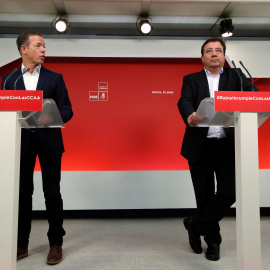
(10, 145)
(209, 117)
(247, 171)
(49, 117)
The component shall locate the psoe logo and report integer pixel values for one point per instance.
(93, 95)
(101, 94)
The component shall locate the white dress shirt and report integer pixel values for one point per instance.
(31, 80)
(213, 82)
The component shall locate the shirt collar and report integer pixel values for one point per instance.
(208, 73)
(37, 69)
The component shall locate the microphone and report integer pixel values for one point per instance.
(24, 71)
(252, 87)
(238, 73)
(4, 85)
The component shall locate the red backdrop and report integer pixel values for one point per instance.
(139, 126)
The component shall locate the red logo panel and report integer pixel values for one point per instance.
(21, 100)
(242, 101)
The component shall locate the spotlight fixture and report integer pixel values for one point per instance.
(61, 23)
(144, 26)
(226, 27)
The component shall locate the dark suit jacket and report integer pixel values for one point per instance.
(195, 88)
(53, 86)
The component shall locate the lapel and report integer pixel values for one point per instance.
(20, 83)
(222, 80)
(204, 82)
(42, 78)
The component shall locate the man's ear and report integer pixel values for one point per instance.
(23, 49)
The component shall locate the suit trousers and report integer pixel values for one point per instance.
(51, 175)
(213, 178)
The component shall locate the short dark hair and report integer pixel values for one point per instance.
(23, 38)
(214, 39)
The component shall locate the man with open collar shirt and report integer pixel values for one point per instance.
(209, 151)
(46, 143)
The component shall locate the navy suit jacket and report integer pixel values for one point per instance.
(195, 88)
(53, 86)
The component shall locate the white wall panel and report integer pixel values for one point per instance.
(131, 190)
(254, 54)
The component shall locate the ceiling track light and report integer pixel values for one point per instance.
(144, 25)
(226, 27)
(61, 23)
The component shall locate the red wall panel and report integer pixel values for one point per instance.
(139, 126)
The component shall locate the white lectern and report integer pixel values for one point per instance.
(247, 176)
(10, 141)
(10, 145)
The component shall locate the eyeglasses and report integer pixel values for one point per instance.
(210, 50)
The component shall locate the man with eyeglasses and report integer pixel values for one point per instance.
(209, 151)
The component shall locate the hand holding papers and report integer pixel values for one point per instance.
(195, 118)
(209, 117)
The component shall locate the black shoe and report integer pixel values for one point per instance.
(212, 253)
(194, 237)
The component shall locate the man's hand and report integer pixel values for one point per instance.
(193, 119)
(44, 119)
